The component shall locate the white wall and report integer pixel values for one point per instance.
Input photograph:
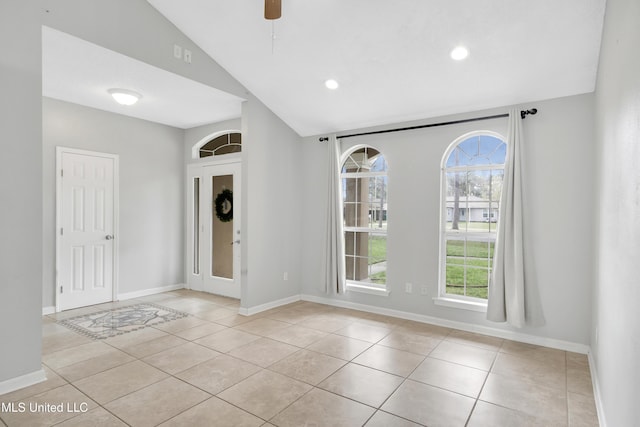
(151, 237)
(559, 165)
(134, 28)
(272, 206)
(20, 190)
(616, 320)
(271, 187)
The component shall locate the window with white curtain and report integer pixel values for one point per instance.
(365, 215)
(472, 173)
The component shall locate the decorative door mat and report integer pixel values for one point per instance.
(118, 321)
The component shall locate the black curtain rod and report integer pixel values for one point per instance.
(523, 114)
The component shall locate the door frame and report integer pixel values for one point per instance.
(192, 171)
(116, 210)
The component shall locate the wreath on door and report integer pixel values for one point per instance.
(224, 205)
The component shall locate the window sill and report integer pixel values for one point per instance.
(461, 304)
(357, 287)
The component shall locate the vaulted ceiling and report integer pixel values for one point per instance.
(391, 59)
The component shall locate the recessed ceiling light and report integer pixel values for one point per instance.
(125, 96)
(331, 84)
(459, 53)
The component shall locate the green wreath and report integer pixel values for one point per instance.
(224, 205)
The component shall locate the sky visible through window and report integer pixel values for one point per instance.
(478, 150)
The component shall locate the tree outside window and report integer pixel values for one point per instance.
(364, 187)
(472, 172)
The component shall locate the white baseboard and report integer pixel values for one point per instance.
(485, 330)
(596, 390)
(7, 386)
(130, 295)
(268, 306)
(152, 291)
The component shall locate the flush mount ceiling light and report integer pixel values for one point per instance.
(459, 53)
(331, 84)
(124, 96)
(272, 9)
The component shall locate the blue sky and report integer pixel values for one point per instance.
(478, 150)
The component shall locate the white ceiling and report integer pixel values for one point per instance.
(391, 58)
(77, 71)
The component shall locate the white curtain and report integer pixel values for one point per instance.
(512, 298)
(334, 239)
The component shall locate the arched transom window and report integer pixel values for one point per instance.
(223, 144)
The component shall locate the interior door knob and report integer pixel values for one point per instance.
(109, 237)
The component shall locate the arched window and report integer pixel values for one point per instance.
(364, 189)
(472, 172)
(217, 144)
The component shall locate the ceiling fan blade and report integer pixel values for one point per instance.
(272, 9)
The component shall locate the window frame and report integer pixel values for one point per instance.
(195, 149)
(356, 285)
(443, 298)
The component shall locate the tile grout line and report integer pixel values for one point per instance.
(99, 406)
(286, 407)
(217, 394)
(267, 368)
(566, 385)
(313, 387)
(391, 328)
(475, 403)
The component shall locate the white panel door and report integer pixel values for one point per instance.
(86, 229)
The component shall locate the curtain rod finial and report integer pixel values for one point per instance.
(524, 113)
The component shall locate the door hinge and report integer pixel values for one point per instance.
(62, 172)
(61, 290)
(61, 231)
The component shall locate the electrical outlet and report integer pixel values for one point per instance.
(286, 276)
(424, 290)
(177, 51)
(408, 288)
(187, 56)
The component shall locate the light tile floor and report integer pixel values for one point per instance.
(303, 364)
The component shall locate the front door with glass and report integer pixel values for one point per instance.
(214, 224)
